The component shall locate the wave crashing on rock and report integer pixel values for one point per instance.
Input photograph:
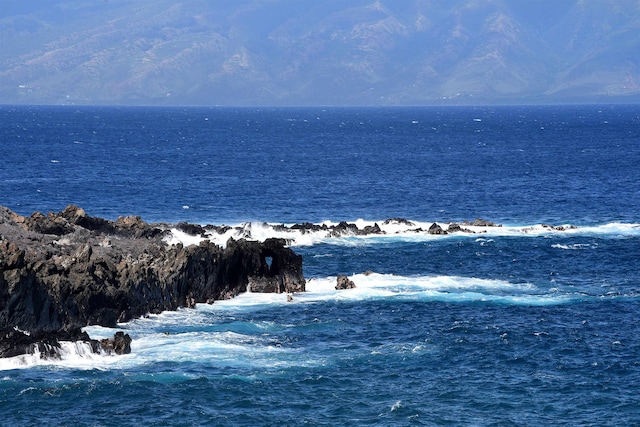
(63, 271)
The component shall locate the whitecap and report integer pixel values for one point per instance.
(374, 286)
(393, 231)
(397, 231)
(575, 246)
(183, 238)
(211, 335)
(208, 335)
(74, 355)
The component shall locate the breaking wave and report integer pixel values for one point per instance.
(220, 335)
(363, 232)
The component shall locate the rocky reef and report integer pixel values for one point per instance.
(62, 271)
(348, 228)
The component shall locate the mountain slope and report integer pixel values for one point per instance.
(339, 52)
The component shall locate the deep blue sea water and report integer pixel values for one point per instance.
(518, 325)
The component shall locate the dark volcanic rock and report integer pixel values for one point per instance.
(14, 342)
(372, 229)
(343, 282)
(119, 344)
(344, 228)
(306, 227)
(64, 271)
(398, 221)
(219, 229)
(559, 227)
(347, 228)
(351, 229)
(481, 223)
(456, 228)
(436, 229)
(191, 229)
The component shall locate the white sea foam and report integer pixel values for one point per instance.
(185, 239)
(393, 231)
(374, 286)
(575, 246)
(222, 348)
(205, 334)
(75, 355)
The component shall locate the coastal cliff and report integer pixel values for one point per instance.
(63, 271)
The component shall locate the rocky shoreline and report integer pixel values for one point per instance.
(63, 271)
(290, 233)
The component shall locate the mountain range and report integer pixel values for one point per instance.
(319, 52)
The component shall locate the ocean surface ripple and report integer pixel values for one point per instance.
(530, 323)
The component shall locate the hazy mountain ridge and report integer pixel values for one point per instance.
(288, 52)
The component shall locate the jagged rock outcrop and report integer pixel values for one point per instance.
(119, 344)
(559, 227)
(436, 229)
(351, 229)
(14, 342)
(343, 282)
(61, 272)
(402, 221)
(457, 228)
(478, 222)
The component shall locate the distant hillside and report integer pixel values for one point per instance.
(324, 52)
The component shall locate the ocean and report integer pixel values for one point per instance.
(533, 322)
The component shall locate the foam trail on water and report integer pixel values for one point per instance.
(211, 335)
(372, 286)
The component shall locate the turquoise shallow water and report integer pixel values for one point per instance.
(521, 325)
